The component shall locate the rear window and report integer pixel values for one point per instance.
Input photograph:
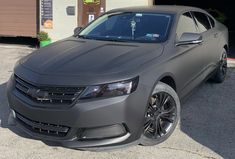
(212, 22)
(202, 21)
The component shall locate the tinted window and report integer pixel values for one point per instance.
(130, 26)
(202, 21)
(212, 22)
(186, 24)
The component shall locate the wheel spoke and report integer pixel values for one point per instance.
(224, 64)
(166, 100)
(224, 71)
(148, 123)
(163, 99)
(150, 109)
(162, 129)
(169, 110)
(224, 67)
(152, 106)
(154, 128)
(167, 118)
(159, 129)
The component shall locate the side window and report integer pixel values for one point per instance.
(202, 21)
(186, 24)
(212, 22)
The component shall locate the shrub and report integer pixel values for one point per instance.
(43, 36)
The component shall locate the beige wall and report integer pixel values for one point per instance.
(112, 4)
(63, 24)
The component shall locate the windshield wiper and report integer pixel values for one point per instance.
(86, 37)
(102, 38)
(82, 36)
(117, 40)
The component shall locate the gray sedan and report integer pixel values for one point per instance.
(119, 80)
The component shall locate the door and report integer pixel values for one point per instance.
(190, 58)
(19, 18)
(91, 9)
(210, 41)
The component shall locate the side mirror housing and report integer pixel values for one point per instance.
(189, 39)
(77, 30)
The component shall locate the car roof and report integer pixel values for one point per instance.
(158, 8)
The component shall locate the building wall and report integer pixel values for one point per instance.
(112, 4)
(63, 24)
(18, 18)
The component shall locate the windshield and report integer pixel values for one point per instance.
(129, 26)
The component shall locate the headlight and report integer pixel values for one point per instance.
(111, 89)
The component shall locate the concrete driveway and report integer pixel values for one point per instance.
(206, 129)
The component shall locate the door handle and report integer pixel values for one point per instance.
(216, 35)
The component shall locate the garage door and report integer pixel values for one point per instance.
(18, 18)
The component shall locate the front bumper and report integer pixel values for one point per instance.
(70, 142)
(91, 123)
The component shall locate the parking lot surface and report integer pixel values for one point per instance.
(206, 129)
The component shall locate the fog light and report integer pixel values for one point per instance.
(102, 132)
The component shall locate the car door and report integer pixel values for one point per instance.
(190, 61)
(210, 37)
(216, 35)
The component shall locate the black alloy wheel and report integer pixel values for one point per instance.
(162, 115)
(224, 65)
(221, 71)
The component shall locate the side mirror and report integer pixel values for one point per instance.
(77, 30)
(189, 38)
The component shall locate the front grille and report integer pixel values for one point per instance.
(43, 128)
(48, 95)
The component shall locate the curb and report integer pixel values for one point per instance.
(231, 62)
(231, 59)
(7, 46)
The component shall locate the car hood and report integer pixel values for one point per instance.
(82, 57)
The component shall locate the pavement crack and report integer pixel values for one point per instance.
(188, 151)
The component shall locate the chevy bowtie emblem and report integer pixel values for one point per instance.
(38, 94)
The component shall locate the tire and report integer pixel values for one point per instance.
(163, 111)
(221, 71)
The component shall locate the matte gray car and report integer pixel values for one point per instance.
(119, 80)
